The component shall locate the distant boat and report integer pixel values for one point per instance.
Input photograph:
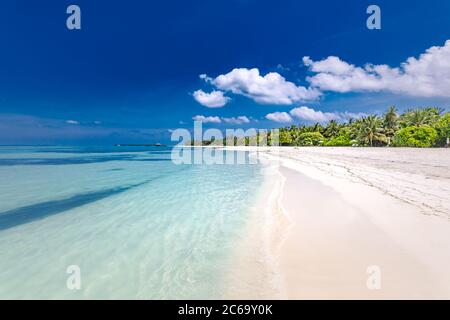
(141, 145)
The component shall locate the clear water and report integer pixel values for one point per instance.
(137, 225)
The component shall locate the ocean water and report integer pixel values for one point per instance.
(137, 225)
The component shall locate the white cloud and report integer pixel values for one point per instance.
(205, 77)
(207, 119)
(281, 117)
(215, 119)
(269, 89)
(350, 115)
(215, 99)
(426, 76)
(72, 122)
(237, 120)
(310, 115)
(331, 64)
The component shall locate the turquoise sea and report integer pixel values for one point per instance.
(137, 225)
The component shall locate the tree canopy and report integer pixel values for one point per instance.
(420, 127)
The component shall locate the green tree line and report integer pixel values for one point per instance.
(420, 128)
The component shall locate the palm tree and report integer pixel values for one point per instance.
(302, 129)
(285, 137)
(317, 128)
(332, 129)
(390, 123)
(370, 130)
(434, 114)
(354, 127)
(391, 118)
(419, 117)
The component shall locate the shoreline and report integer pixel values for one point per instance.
(345, 222)
(255, 271)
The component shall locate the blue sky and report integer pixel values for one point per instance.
(131, 72)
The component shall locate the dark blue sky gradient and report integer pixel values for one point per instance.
(135, 64)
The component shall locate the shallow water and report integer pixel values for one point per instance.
(137, 225)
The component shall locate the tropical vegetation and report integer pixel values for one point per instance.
(421, 127)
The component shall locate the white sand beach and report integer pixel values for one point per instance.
(355, 211)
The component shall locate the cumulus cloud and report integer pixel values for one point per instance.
(331, 64)
(271, 88)
(426, 76)
(215, 99)
(207, 119)
(215, 119)
(310, 115)
(350, 115)
(237, 120)
(205, 77)
(280, 117)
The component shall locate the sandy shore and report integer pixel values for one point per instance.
(365, 223)
(356, 211)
